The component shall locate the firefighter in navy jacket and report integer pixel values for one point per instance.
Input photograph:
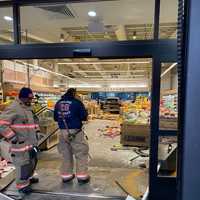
(69, 113)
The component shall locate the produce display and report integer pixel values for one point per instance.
(168, 106)
(4, 105)
(137, 112)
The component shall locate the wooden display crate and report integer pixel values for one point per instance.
(135, 135)
(168, 124)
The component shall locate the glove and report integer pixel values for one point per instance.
(33, 152)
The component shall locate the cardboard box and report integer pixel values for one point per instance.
(135, 135)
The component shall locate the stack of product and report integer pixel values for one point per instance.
(135, 126)
(93, 109)
(4, 105)
(137, 112)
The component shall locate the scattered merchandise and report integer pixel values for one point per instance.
(110, 131)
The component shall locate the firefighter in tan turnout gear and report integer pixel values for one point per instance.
(17, 125)
(69, 113)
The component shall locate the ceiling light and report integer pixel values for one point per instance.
(129, 86)
(62, 37)
(108, 71)
(122, 79)
(134, 35)
(85, 86)
(8, 18)
(92, 14)
(167, 70)
(120, 76)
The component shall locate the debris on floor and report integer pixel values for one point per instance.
(134, 183)
(110, 131)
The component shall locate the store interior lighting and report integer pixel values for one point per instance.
(168, 69)
(92, 13)
(8, 18)
(107, 71)
(49, 71)
(134, 35)
(128, 86)
(62, 37)
(104, 63)
(85, 86)
(137, 75)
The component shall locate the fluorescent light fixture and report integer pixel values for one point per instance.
(108, 71)
(92, 13)
(8, 18)
(167, 70)
(120, 76)
(128, 86)
(104, 63)
(85, 86)
(49, 71)
(117, 79)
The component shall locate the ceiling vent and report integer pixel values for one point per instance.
(62, 10)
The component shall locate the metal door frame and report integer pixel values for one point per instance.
(158, 50)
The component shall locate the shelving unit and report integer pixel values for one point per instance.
(170, 99)
(45, 96)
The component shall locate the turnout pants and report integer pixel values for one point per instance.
(25, 164)
(77, 149)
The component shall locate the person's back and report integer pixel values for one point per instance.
(69, 113)
(70, 110)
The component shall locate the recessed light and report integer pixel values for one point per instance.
(8, 18)
(92, 13)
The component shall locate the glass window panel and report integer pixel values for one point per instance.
(76, 22)
(6, 25)
(168, 19)
(169, 97)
